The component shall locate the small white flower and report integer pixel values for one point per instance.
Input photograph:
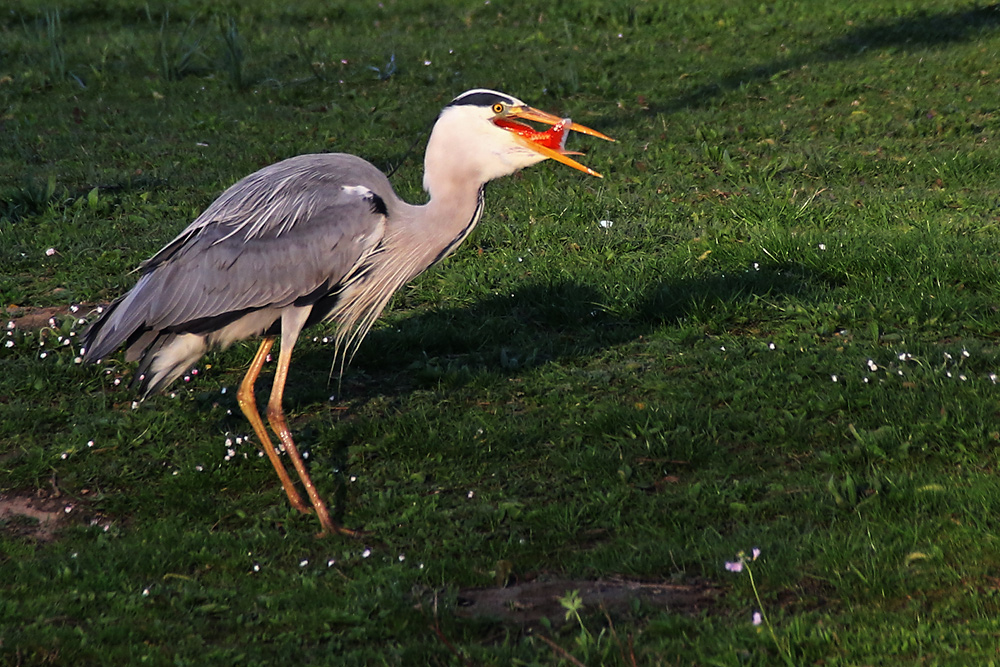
(772, 346)
(471, 494)
(145, 592)
(872, 366)
(366, 553)
(50, 251)
(402, 557)
(256, 567)
(822, 246)
(331, 562)
(90, 443)
(833, 377)
(606, 224)
(303, 562)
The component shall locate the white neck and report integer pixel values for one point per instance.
(466, 150)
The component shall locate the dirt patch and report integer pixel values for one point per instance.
(40, 515)
(32, 517)
(29, 318)
(527, 603)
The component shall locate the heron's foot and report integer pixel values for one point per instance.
(337, 529)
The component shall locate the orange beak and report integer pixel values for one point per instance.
(552, 142)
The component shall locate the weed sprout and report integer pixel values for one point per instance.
(743, 562)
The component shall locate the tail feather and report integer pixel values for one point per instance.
(163, 356)
(98, 340)
(166, 359)
(125, 321)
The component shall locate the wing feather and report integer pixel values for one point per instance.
(277, 236)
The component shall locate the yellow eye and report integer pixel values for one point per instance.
(498, 108)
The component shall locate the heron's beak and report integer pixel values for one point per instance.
(552, 142)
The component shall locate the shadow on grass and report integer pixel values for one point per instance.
(563, 321)
(919, 30)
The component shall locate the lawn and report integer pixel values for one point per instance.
(736, 403)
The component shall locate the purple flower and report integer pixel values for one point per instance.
(758, 618)
(734, 566)
(755, 553)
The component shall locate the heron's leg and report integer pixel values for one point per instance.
(248, 405)
(291, 324)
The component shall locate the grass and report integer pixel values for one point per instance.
(785, 339)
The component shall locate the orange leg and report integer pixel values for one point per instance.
(248, 405)
(276, 416)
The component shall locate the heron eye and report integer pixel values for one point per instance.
(498, 107)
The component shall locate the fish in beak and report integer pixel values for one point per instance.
(552, 142)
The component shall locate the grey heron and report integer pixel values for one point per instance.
(313, 238)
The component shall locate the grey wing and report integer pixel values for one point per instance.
(285, 235)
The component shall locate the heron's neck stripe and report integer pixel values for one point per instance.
(462, 235)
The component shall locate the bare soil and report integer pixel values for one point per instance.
(527, 603)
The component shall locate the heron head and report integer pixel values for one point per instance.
(491, 131)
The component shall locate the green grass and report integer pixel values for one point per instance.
(785, 340)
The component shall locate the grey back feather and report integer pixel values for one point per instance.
(290, 230)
